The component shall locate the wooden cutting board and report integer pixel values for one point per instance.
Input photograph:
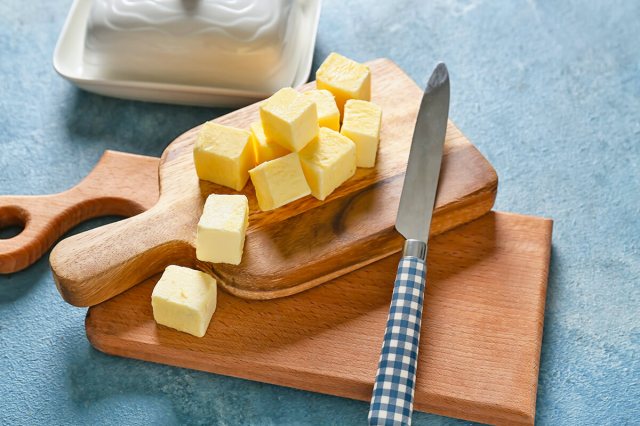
(481, 333)
(120, 184)
(294, 247)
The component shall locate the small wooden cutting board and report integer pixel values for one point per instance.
(292, 248)
(481, 333)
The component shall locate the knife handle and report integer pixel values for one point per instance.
(392, 399)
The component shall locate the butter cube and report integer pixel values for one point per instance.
(328, 161)
(328, 114)
(345, 78)
(184, 299)
(361, 124)
(290, 119)
(263, 148)
(278, 182)
(222, 228)
(223, 155)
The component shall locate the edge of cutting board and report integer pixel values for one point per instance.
(481, 338)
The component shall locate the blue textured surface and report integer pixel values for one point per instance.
(550, 93)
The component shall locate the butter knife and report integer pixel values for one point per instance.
(393, 390)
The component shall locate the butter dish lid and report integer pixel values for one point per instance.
(193, 52)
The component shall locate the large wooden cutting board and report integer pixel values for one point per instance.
(292, 248)
(481, 333)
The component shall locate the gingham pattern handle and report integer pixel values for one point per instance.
(392, 400)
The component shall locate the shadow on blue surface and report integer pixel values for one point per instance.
(121, 124)
(10, 231)
(17, 285)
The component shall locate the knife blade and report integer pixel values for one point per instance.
(393, 391)
(423, 169)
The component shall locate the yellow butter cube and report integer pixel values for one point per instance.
(278, 182)
(345, 78)
(361, 124)
(263, 148)
(222, 228)
(184, 299)
(328, 161)
(223, 155)
(328, 114)
(289, 119)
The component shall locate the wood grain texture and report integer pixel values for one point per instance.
(290, 249)
(481, 334)
(120, 184)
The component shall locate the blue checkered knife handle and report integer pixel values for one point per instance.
(392, 400)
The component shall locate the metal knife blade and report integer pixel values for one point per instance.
(423, 169)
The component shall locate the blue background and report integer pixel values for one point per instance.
(550, 93)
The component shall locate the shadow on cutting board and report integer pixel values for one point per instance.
(240, 326)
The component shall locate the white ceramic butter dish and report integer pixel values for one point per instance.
(194, 52)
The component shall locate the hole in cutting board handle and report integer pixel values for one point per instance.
(13, 220)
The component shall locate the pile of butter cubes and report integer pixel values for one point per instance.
(297, 148)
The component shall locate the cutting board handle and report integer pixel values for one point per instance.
(96, 265)
(120, 184)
